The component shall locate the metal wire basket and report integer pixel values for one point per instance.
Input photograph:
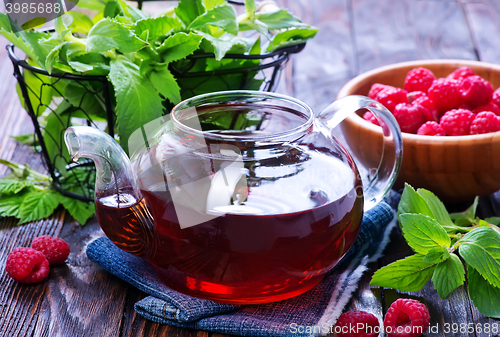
(49, 131)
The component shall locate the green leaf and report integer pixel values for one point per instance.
(281, 19)
(112, 9)
(164, 82)
(83, 97)
(189, 10)
(9, 186)
(51, 58)
(250, 7)
(53, 133)
(95, 5)
(223, 16)
(157, 27)
(10, 205)
(81, 23)
(137, 101)
(436, 255)
(178, 46)
(412, 202)
(448, 276)
(39, 89)
(291, 37)
(79, 210)
(484, 296)
(409, 274)
(480, 248)
(209, 4)
(493, 220)
(26, 139)
(423, 233)
(437, 207)
(467, 217)
(38, 205)
(110, 34)
(223, 44)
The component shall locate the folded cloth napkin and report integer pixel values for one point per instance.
(310, 314)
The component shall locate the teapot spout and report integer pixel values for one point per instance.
(120, 207)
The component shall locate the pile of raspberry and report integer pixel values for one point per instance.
(461, 104)
(31, 265)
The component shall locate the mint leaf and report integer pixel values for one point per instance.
(412, 202)
(137, 101)
(223, 16)
(436, 255)
(223, 44)
(467, 217)
(156, 27)
(291, 37)
(40, 91)
(209, 4)
(164, 82)
(423, 233)
(189, 10)
(53, 133)
(409, 274)
(480, 248)
(10, 205)
(437, 207)
(109, 34)
(51, 58)
(178, 46)
(81, 96)
(80, 22)
(493, 220)
(281, 19)
(38, 205)
(448, 276)
(484, 296)
(250, 7)
(79, 210)
(9, 186)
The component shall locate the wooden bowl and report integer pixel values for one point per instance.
(454, 168)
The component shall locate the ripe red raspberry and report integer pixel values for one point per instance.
(496, 97)
(406, 318)
(371, 118)
(412, 96)
(409, 116)
(431, 129)
(488, 107)
(445, 93)
(461, 73)
(357, 324)
(476, 91)
(457, 122)
(432, 113)
(390, 97)
(485, 122)
(376, 88)
(55, 250)
(419, 79)
(27, 265)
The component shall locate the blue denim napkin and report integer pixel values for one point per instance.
(310, 314)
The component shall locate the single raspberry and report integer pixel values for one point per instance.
(488, 107)
(390, 97)
(371, 118)
(445, 93)
(409, 116)
(406, 318)
(431, 129)
(432, 113)
(55, 250)
(461, 73)
(485, 122)
(496, 97)
(419, 79)
(357, 324)
(476, 91)
(27, 265)
(376, 88)
(412, 96)
(457, 122)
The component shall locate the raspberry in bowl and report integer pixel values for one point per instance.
(455, 167)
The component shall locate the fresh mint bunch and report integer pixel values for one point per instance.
(448, 249)
(28, 195)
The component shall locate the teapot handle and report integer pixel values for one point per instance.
(392, 155)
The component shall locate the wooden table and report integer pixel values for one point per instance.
(80, 299)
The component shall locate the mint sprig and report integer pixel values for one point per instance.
(441, 242)
(27, 195)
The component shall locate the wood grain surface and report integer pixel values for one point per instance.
(80, 299)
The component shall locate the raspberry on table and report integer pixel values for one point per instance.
(461, 73)
(419, 79)
(485, 122)
(445, 93)
(406, 318)
(27, 265)
(376, 88)
(476, 91)
(457, 122)
(390, 97)
(431, 129)
(55, 250)
(409, 116)
(371, 118)
(347, 324)
(412, 96)
(488, 107)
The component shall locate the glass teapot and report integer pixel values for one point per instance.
(238, 196)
